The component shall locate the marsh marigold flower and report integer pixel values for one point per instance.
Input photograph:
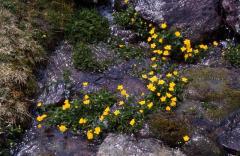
(85, 84)
(177, 34)
(168, 108)
(164, 25)
(66, 105)
(89, 134)
(97, 130)
(184, 79)
(62, 128)
(82, 121)
(116, 112)
(186, 138)
(132, 122)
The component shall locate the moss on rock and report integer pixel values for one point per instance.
(168, 128)
(213, 92)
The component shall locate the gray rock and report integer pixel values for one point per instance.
(119, 145)
(53, 143)
(232, 12)
(229, 133)
(198, 19)
(200, 145)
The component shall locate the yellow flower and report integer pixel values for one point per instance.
(153, 79)
(196, 51)
(82, 121)
(160, 40)
(172, 84)
(151, 87)
(153, 45)
(187, 42)
(186, 138)
(215, 43)
(153, 59)
(116, 112)
(89, 135)
(161, 82)
(154, 36)
(101, 118)
(85, 84)
(97, 130)
(171, 89)
(141, 111)
(168, 108)
(173, 103)
(168, 95)
(124, 93)
(175, 73)
(120, 87)
(142, 102)
(169, 75)
(184, 79)
(154, 66)
(66, 105)
(39, 104)
(121, 46)
(183, 49)
(86, 102)
(39, 126)
(150, 105)
(151, 73)
(41, 118)
(86, 97)
(174, 99)
(62, 128)
(164, 25)
(166, 53)
(121, 103)
(152, 31)
(132, 122)
(177, 34)
(204, 47)
(158, 94)
(168, 47)
(126, 1)
(144, 76)
(106, 111)
(163, 98)
(186, 56)
(149, 39)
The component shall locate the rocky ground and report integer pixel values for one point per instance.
(208, 112)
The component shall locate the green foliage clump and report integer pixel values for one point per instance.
(84, 59)
(232, 54)
(88, 26)
(10, 134)
(130, 19)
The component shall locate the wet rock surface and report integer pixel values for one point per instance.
(57, 88)
(118, 145)
(228, 133)
(51, 142)
(197, 19)
(232, 13)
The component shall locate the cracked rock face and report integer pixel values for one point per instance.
(118, 145)
(232, 12)
(198, 19)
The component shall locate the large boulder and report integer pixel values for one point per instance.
(198, 19)
(232, 13)
(229, 133)
(118, 145)
(212, 94)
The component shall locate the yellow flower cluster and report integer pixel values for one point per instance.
(86, 100)
(96, 131)
(122, 91)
